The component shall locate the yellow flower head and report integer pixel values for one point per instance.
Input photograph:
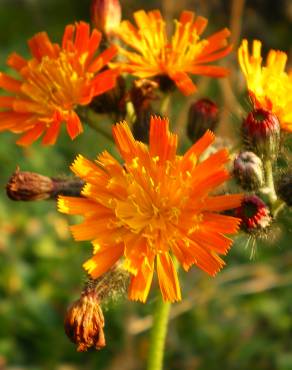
(269, 86)
(154, 55)
(154, 207)
(53, 82)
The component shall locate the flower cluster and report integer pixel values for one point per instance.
(154, 209)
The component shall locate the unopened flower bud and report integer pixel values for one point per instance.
(261, 131)
(112, 101)
(203, 116)
(106, 15)
(254, 214)
(31, 186)
(84, 322)
(248, 171)
(284, 188)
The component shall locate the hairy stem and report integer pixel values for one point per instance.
(158, 335)
(86, 116)
(270, 181)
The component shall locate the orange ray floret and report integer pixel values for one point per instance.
(269, 86)
(153, 54)
(154, 208)
(53, 83)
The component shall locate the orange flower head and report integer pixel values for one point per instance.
(155, 207)
(269, 86)
(186, 53)
(53, 83)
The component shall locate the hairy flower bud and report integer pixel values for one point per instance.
(248, 171)
(203, 116)
(284, 188)
(254, 213)
(106, 15)
(261, 131)
(112, 101)
(30, 186)
(84, 322)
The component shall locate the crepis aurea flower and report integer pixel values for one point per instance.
(154, 208)
(153, 54)
(53, 83)
(269, 86)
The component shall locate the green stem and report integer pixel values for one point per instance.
(277, 207)
(270, 181)
(100, 130)
(158, 335)
(86, 115)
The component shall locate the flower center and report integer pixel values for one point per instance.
(151, 209)
(55, 84)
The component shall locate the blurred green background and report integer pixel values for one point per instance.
(242, 319)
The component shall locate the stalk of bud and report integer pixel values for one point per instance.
(106, 15)
(84, 322)
(203, 116)
(261, 131)
(31, 186)
(248, 171)
(254, 214)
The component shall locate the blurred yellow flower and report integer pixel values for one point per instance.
(154, 207)
(269, 86)
(52, 83)
(154, 55)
